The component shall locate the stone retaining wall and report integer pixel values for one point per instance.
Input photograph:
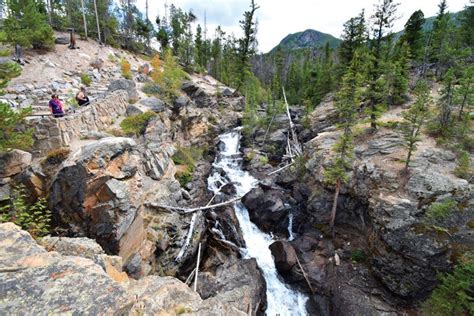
(51, 133)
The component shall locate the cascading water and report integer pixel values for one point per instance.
(281, 300)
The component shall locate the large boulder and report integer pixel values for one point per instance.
(96, 193)
(124, 84)
(14, 162)
(153, 104)
(285, 256)
(267, 209)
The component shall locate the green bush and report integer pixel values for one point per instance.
(439, 211)
(136, 124)
(85, 79)
(33, 217)
(5, 52)
(455, 293)
(11, 136)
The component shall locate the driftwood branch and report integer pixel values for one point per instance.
(186, 210)
(305, 276)
(197, 268)
(281, 169)
(188, 238)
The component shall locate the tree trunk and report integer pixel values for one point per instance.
(97, 21)
(410, 149)
(334, 207)
(50, 12)
(84, 18)
(464, 98)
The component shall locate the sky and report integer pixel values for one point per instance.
(278, 18)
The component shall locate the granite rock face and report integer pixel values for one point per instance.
(95, 193)
(14, 162)
(35, 281)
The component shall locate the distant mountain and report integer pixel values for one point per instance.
(307, 39)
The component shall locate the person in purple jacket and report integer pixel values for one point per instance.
(56, 106)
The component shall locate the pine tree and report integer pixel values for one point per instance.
(464, 93)
(446, 103)
(415, 118)
(466, 29)
(199, 47)
(27, 24)
(413, 34)
(246, 44)
(382, 21)
(400, 74)
(354, 36)
(347, 102)
(444, 40)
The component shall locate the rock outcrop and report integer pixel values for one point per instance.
(38, 282)
(95, 193)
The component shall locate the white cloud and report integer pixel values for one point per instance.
(277, 18)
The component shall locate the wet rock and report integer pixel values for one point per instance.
(233, 280)
(14, 162)
(285, 256)
(267, 209)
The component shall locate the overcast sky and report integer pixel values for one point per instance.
(278, 18)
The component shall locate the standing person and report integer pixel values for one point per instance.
(56, 106)
(81, 97)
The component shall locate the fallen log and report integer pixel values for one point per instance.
(186, 210)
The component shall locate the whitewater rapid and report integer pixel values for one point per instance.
(281, 299)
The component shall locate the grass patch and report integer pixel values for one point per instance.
(152, 89)
(56, 156)
(186, 157)
(136, 125)
(358, 255)
(85, 79)
(439, 211)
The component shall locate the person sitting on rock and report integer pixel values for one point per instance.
(56, 106)
(81, 97)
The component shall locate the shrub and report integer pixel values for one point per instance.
(172, 75)
(463, 168)
(186, 157)
(126, 67)
(454, 295)
(439, 211)
(8, 70)
(151, 88)
(4, 52)
(263, 160)
(85, 79)
(56, 156)
(11, 136)
(33, 217)
(358, 255)
(136, 124)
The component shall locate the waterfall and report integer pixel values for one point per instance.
(281, 300)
